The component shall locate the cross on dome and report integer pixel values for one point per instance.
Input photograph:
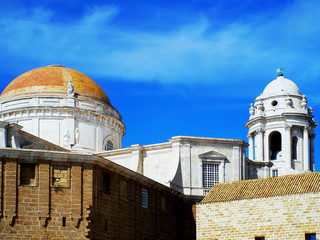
(279, 71)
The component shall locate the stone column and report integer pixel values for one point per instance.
(286, 146)
(250, 137)
(306, 165)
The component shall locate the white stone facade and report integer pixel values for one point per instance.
(68, 119)
(179, 163)
(73, 112)
(57, 121)
(281, 130)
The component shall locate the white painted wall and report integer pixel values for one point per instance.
(177, 164)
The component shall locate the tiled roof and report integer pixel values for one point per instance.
(53, 80)
(265, 187)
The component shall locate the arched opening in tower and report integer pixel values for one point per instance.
(275, 145)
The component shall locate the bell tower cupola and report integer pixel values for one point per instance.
(281, 129)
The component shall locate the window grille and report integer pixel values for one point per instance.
(144, 198)
(109, 145)
(210, 175)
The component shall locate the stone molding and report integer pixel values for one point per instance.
(63, 112)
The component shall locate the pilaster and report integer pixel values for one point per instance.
(137, 157)
(250, 137)
(306, 165)
(10, 191)
(286, 146)
(237, 163)
(35, 126)
(186, 166)
(312, 163)
(76, 193)
(3, 134)
(259, 145)
(44, 193)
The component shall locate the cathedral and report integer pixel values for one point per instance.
(62, 160)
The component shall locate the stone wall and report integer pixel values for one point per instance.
(42, 210)
(283, 217)
(73, 196)
(119, 214)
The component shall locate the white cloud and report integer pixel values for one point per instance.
(99, 47)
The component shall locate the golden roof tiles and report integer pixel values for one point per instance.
(265, 187)
(53, 80)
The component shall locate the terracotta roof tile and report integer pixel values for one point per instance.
(265, 187)
(53, 81)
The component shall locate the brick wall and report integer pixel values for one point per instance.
(283, 217)
(120, 213)
(68, 200)
(41, 210)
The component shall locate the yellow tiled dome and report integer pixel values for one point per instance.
(53, 81)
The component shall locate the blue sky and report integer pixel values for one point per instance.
(170, 67)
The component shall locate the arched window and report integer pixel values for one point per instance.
(109, 145)
(294, 148)
(274, 145)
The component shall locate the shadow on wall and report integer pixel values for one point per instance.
(253, 172)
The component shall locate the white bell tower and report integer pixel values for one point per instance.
(281, 129)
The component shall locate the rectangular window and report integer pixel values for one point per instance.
(27, 174)
(144, 198)
(60, 176)
(210, 174)
(106, 186)
(275, 173)
(163, 203)
(311, 236)
(259, 238)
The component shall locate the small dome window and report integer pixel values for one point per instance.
(109, 145)
(274, 103)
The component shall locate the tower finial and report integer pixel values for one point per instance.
(279, 71)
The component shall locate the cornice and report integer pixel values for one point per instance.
(183, 139)
(59, 102)
(62, 112)
(72, 157)
(281, 117)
